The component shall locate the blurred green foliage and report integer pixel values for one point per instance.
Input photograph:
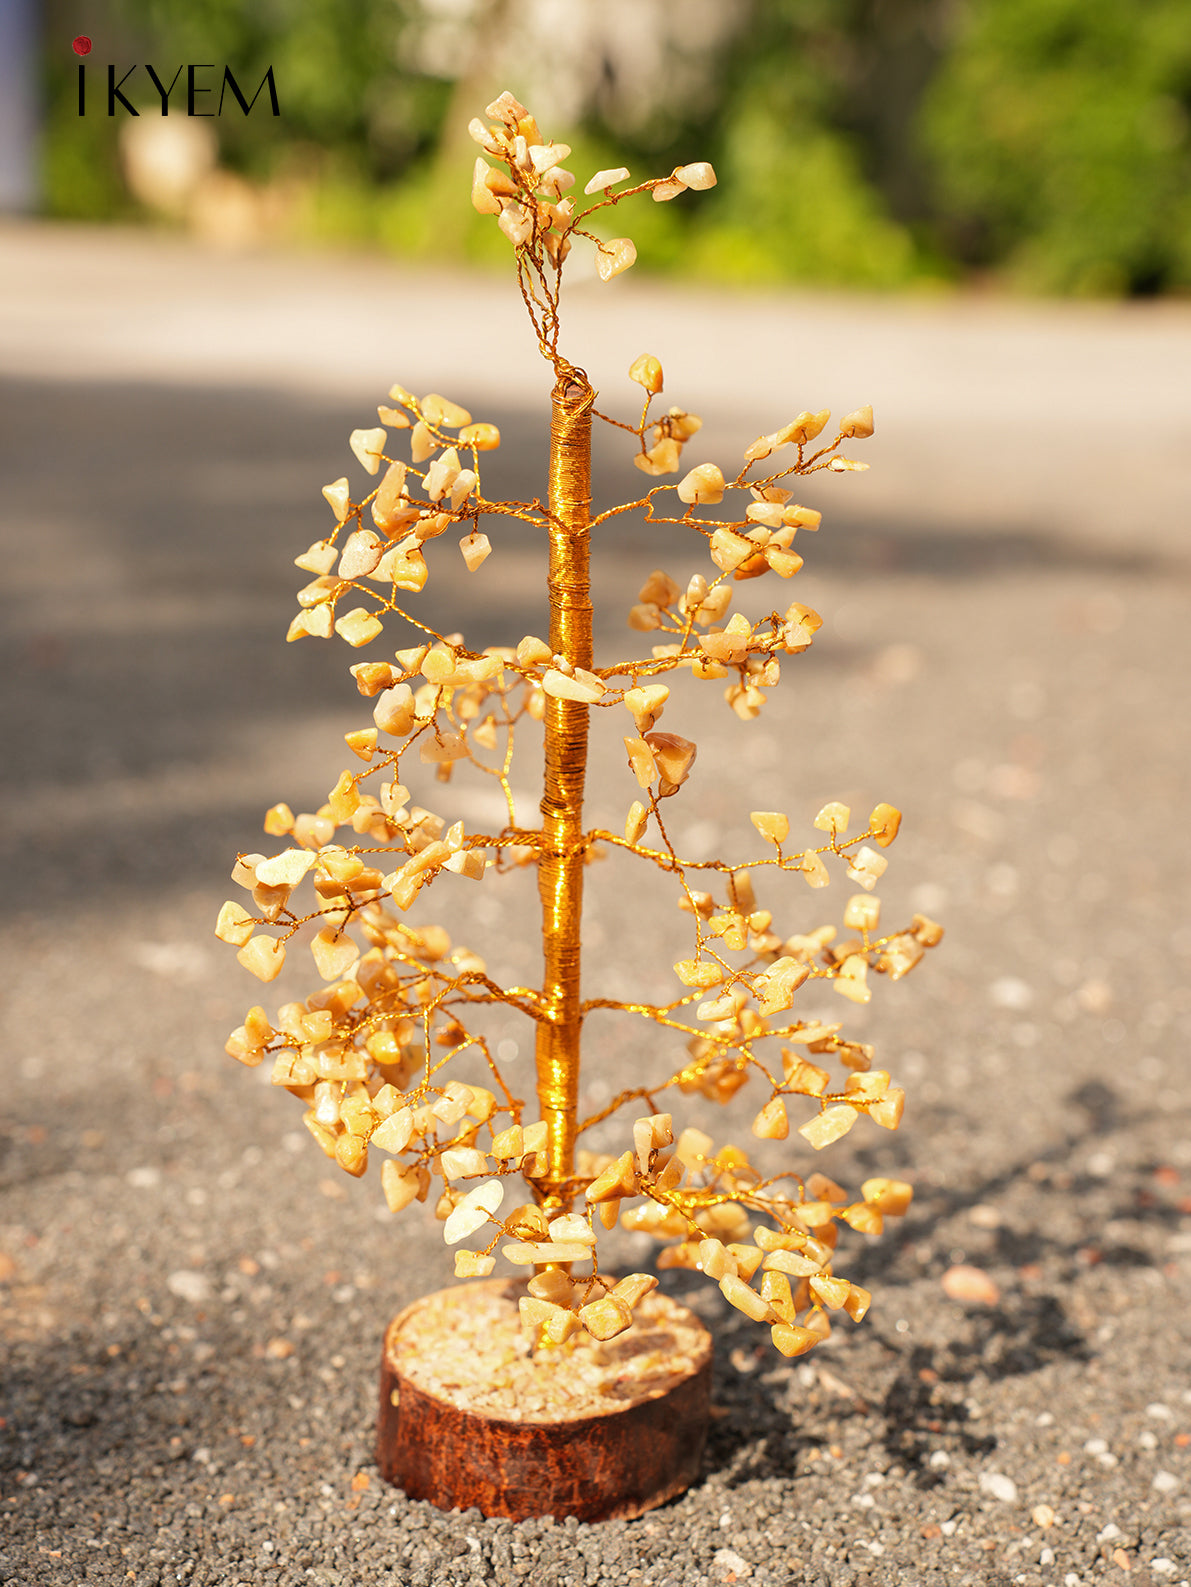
(875, 143)
(1060, 133)
(802, 162)
(348, 103)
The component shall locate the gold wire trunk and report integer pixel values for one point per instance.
(560, 870)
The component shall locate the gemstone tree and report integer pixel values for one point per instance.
(370, 1053)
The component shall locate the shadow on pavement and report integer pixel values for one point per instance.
(150, 532)
(925, 1406)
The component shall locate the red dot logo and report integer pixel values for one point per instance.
(82, 45)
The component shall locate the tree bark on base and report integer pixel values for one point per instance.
(616, 1464)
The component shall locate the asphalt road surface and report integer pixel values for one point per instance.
(191, 1306)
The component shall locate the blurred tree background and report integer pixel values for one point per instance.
(1038, 144)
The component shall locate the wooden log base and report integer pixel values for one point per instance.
(469, 1415)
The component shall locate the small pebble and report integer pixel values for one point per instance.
(1164, 1482)
(970, 1285)
(189, 1284)
(999, 1486)
(1010, 991)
